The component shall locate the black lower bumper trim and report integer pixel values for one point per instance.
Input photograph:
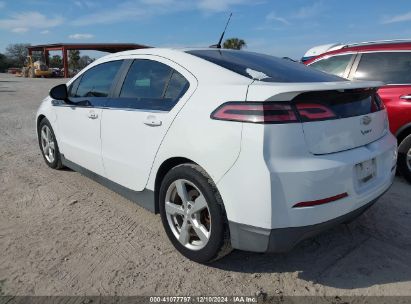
(255, 239)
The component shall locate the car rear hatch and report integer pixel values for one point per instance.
(335, 116)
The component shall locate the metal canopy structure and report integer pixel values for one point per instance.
(65, 47)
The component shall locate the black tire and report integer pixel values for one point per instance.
(218, 244)
(403, 165)
(56, 163)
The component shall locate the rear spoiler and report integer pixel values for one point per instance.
(274, 91)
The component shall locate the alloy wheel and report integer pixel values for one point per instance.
(47, 144)
(409, 159)
(188, 214)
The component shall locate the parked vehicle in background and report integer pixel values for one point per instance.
(386, 61)
(232, 148)
(320, 49)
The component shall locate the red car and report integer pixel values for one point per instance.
(386, 61)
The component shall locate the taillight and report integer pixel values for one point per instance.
(256, 112)
(314, 111)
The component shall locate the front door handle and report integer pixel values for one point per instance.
(152, 121)
(406, 97)
(92, 115)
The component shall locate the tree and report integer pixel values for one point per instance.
(56, 61)
(234, 43)
(17, 52)
(4, 64)
(74, 58)
(85, 61)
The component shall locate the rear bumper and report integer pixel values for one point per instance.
(255, 239)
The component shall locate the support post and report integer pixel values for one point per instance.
(46, 57)
(65, 63)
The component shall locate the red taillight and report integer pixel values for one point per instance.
(314, 111)
(255, 112)
(321, 201)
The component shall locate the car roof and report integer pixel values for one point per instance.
(198, 67)
(385, 45)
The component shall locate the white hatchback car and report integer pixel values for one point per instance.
(234, 149)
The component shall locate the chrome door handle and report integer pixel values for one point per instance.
(92, 115)
(152, 121)
(406, 97)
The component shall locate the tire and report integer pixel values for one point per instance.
(404, 158)
(210, 221)
(48, 145)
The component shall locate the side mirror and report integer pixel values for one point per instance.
(59, 92)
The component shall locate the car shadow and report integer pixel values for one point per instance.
(354, 255)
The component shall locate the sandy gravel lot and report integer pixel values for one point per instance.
(63, 234)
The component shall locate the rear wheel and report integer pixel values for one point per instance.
(48, 145)
(193, 214)
(404, 158)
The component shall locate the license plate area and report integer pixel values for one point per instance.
(366, 171)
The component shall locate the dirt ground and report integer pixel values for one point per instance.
(63, 234)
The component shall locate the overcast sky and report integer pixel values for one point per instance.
(282, 28)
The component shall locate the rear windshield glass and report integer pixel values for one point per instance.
(263, 67)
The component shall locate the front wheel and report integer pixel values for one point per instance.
(404, 158)
(48, 145)
(193, 214)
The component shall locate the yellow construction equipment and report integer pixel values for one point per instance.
(36, 69)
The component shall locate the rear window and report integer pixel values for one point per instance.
(263, 67)
(388, 67)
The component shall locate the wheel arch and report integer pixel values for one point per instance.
(39, 119)
(165, 167)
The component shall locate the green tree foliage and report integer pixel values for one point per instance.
(234, 43)
(56, 61)
(74, 58)
(17, 53)
(4, 63)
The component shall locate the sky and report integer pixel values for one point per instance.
(280, 28)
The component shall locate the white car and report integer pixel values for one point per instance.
(234, 149)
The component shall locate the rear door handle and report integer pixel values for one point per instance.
(152, 121)
(406, 97)
(92, 115)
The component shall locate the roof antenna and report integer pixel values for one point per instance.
(218, 45)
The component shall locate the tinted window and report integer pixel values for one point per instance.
(263, 67)
(389, 67)
(72, 90)
(152, 85)
(177, 86)
(334, 65)
(97, 81)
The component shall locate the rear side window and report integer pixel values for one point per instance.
(152, 85)
(97, 81)
(263, 67)
(334, 65)
(388, 67)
